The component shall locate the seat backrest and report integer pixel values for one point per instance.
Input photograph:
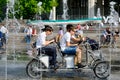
(59, 49)
(61, 52)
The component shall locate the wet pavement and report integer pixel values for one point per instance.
(16, 71)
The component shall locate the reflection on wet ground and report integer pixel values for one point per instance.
(18, 72)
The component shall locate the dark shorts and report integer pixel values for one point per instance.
(70, 50)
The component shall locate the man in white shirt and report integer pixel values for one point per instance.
(4, 31)
(80, 30)
(43, 44)
(69, 48)
(28, 34)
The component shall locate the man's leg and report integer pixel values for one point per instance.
(78, 54)
(75, 60)
(51, 51)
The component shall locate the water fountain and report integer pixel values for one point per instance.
(13, 27)
(113, 18)
(39, 9)
(99, 26)
(65, 15)
(98, 13)
(51, 15)
(40, 24)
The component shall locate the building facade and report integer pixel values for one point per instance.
(78, 9)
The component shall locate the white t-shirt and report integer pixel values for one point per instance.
(41, 40)
(29, 31)
(3, 29)
(80, 32)
(64, 39)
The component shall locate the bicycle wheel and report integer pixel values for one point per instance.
(33, 68)
(102, 69)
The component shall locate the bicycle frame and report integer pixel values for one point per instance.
(91, 54)
(40, 64)
(69, 59)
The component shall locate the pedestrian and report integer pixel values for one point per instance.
(4, 31)
(1, 43)
(80, 30)
(59, 35)
(28, 34)
(106, 36)
(34, 31)
(116, 34)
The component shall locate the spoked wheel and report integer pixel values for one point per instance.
(33, 68)
(102, 69)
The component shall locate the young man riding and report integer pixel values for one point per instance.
(69, 48)
(43, 44)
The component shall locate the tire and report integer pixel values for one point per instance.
(102, 69)
(93, 63)
(32, 68)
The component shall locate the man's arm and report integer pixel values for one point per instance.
(48, 42)
(69, 44)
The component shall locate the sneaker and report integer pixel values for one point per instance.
(80, 65)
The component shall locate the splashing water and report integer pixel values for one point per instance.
(65, 15)
(98, 13)
(113, 18)
(51, 15)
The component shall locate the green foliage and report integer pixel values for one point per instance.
(53, 3)
(48, 4)
(2, 9)
(28, 8)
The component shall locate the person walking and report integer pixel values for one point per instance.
(28, 34)
(4, 31)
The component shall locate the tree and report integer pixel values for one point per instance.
(29, 8)
(2, 9)
(48, 4)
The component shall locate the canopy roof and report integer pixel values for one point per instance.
(55, 22)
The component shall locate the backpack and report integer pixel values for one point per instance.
(93, 44)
